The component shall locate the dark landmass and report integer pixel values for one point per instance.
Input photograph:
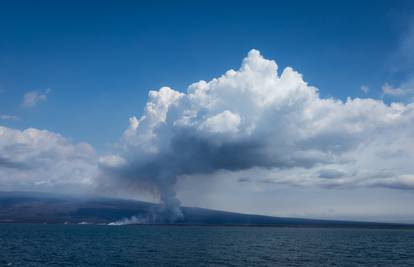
(24, 207)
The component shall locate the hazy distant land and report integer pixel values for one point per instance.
(19, 207)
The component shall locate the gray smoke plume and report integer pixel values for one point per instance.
(254, 118)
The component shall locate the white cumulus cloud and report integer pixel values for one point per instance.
(35, 159)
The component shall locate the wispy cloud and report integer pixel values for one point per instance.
(402, 64)
(388, 89)
(8, 117)
(405, 53)
(364, 88)
(32, 98)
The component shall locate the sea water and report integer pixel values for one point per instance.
(146, 245)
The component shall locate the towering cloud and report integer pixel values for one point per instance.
(278, 126)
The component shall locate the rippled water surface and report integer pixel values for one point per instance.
(93, 245)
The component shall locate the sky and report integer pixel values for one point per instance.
(314, 120)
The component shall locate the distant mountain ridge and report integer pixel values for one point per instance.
(26, 207)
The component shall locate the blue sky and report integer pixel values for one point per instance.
(257, 140)
(100, 60)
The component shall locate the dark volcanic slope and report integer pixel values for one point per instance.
(50, 208)
(18, 207)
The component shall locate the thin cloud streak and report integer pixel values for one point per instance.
(33, 98)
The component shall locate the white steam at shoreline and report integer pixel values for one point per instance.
(131, 220)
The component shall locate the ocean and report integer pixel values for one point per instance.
(151, 245)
